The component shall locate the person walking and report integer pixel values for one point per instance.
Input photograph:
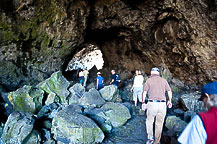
(115, 78)
(137, 87)
(202, 129)
(81, 77)
(85, 76)
(99, 81)
(156, 87)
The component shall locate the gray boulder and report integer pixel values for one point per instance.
(109, 93)
(18, 128)
(57, 84)
(116, 113)
(175, 125)
(26, 99)
(33, 138)
(71, 127)
(190, 102)
(76, 92)
(133, 132)
(110, 115)
(47, 111)
(91, 98)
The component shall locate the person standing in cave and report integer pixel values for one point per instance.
(81, 77)
(156, 87)
(85, 76)
(99, 81)
(137, 87)
(115, 78)
(203, 127)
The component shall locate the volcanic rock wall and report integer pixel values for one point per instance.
(39, 37)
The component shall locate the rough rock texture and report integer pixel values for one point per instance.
(71, 127)
(39, 37)
(109, 93)
(110, 115)
(134, 132)
(36, 37)
(92, 98)
(76, 92)
(17, 128)
(27, 99)
(175, 125)
(56, 84)
(190, 102)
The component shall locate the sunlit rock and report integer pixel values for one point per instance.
(56, 84)
(87, 58)
(26, 99)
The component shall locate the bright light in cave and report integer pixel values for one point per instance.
(87, 58)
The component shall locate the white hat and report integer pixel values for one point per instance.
(99, 73)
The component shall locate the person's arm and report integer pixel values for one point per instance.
(112, 81)
(97, 81)
(194, 132)
(143, 100)
(169, 103)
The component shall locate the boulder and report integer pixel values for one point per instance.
(109, 115)
(18, 128)
(76, 92)
(71, 127)
(57, 84)
(33, 138)
(190, 102)
(49, 111)
(50, 98)
(91, 98)
(26, 99)
(175, 125)
(133, 132)
(109, 93)
(126, 95)
(116, 113)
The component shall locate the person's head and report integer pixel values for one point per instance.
(99, 73)
(138, 72)
(209, 95)
(113, 71)
(155, 70)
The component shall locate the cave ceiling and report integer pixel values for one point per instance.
(39, 37)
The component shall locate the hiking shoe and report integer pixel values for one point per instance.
(150, 141)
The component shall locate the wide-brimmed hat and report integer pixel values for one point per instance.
(209, 88)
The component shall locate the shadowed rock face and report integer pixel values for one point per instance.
(40, 37)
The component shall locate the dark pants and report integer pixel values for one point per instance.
(100, 86)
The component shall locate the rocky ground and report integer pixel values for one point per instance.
(59, 111)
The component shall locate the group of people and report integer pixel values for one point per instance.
(83, 75)
(100, 80)
(203, 127)
(156, 104)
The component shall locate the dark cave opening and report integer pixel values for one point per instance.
(6, 5)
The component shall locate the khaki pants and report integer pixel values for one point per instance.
(155, 110)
